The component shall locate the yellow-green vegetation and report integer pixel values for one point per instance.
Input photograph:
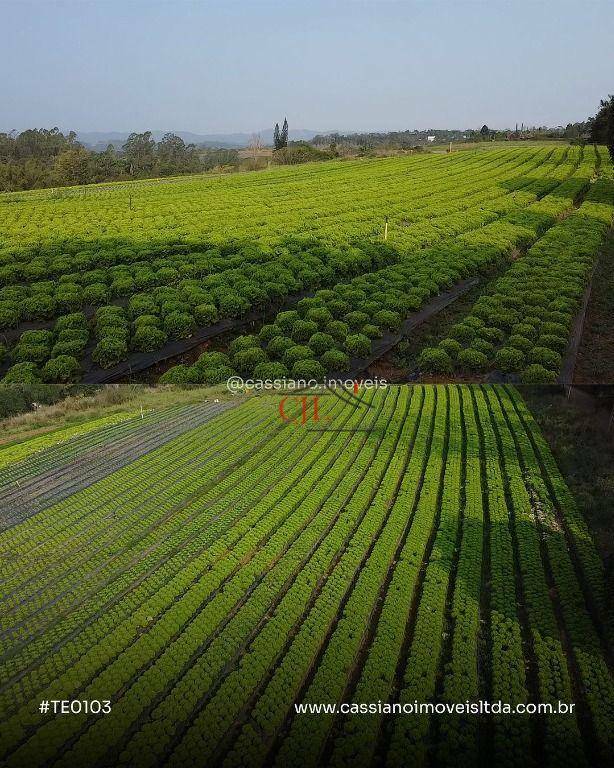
(90, 277)
(416, 543)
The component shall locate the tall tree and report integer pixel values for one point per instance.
(276, 138)
(255, 147)
(485, 131)
(139, 151)
(283, 137)
(602, 125)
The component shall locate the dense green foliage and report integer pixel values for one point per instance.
(42, 158)
(192, 254)
(528, 314)
(423, 548)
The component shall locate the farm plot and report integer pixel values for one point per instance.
(417, 543)
(80, 460)
(336, 328)
(522, 326)
(85, 284)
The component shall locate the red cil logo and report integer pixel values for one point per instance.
(301, 412)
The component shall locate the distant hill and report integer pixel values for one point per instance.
(100, 139)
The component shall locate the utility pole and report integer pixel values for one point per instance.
(386, 228)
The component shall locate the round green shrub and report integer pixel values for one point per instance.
(169, 307)
(451, 346)
(549, 358)
(71, 348)
(520, 342)
(178, 375)
(537, 374)
(386, 318)
(285, 320)
(36, 337)
(309, 302)
(278, 346)
(179, 325)
(246, 360)
(148, 339)
(472, 360)
(491, 333)
(308, 369)
(195, 375)
(30, 353)
(371, 331)
(231, 304)
(486, 347)
(270, 371)
(553, 342)
(335, 360)
(303, 330)
(268, 332)
(95, 294)
(241, 343)
(39, 307)
(463, 332)
(320, 342)
(205, 314)
(142, 304)
(61, 369)
(147, 321)
(74, 320)
(562, 318)
(117, 332)
(217, 374)
(319, 315)
(296, 353)
(555, 329)
(10, 314)
(21, 373)
(524, 329)
(212, 360)
(356, 319)
(338, 330)
(509, 359)
(435, 360)
(337, 307)
(73, 334)
(357, 345)
(109, 351)
(473, 322)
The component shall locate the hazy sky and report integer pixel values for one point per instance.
(239, 65)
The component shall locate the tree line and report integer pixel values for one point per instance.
(601, 126)
(38, 158)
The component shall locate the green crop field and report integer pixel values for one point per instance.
(221, 566)
(95, 277)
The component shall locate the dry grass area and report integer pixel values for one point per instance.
(104, 401)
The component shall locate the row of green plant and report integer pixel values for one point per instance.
(325, 331)
(293, 649)
(523, 325)
(99, 637)
(562, 743)
(585, 645)
(246, 576)
(270, 540)
(267, 278)
(265, 617)
(45, 533)
(332, 200)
